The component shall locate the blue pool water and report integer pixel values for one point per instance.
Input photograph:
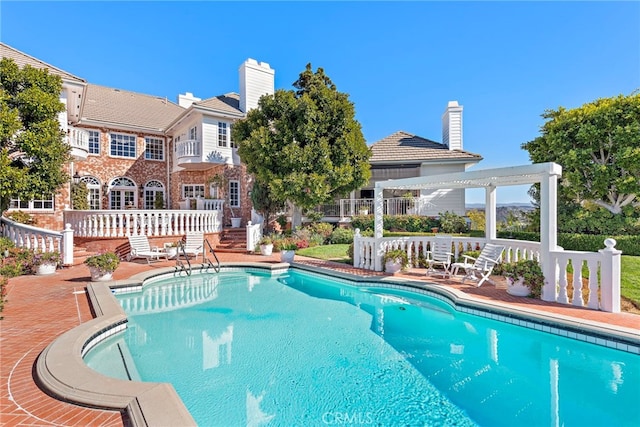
(245, 348)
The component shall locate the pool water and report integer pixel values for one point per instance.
(246, 348)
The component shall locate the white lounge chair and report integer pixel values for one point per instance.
(194, 244)
(140, 248)
(480, 268)
(440, 255)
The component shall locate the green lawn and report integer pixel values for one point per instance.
(629, 283)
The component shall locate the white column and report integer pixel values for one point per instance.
(548, 233)
(67, 245)
(490, 213)
(378, 226)
(610, 277)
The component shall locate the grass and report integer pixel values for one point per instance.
(630, 279)
(327, 252)
(629, 282)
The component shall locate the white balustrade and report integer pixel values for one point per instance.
(130, 222)
(188, 148)
(34, 238)
(78, 138)
(254, 234)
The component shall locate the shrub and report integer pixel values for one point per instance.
(323, 229)
(3, 292)
(21, 217)
(530, 271)
(341, 236)
(396, 255)
(106, 262)
(5, 245)
(452, 223)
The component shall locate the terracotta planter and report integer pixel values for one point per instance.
(266, 250)
(516, 288)
(287, 256)
(98, 275)
(46, 269)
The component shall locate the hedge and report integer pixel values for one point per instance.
(629, 245)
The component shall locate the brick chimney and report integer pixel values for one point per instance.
(452, 126)
(256, 79)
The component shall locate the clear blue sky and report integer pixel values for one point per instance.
(400, 62)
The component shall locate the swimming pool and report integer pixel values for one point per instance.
(298, 348)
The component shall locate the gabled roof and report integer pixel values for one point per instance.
(228, 103)
(116, 107)
(408, 148)
(22, 59)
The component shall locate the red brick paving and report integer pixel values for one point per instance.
(38, 309)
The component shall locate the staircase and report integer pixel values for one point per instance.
(233, 240)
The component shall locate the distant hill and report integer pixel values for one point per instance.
(503, 210)
(523, 206)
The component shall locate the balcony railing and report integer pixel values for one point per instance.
(78, 139)
(347, 208)
(188, 148)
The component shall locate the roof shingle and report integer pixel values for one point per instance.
(403, 146)
(21, 59)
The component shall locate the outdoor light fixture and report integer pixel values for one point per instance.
(76, 178)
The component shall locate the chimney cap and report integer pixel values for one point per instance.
(453, 104)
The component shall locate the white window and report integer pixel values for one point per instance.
(222, 134)
(94, 142)
(154, 190)
(234, 194)
(153, 148)
(42, 204)
(122, 194)
(192, 190)
(123, 145)
(193, 133)
(93, 185)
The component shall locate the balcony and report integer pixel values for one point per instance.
(191, 156)
(78, 139)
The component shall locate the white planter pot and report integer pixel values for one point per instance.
(266, 249)
(287, 256)
(516, 288)
(46, 269)
(171, 251)
(235, 222)
(98, 275)
(392, 266)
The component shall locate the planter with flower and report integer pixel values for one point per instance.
(46, 263)
(524, 278)
(102, 266)
(171, 249)
(395, 260)
(287, 249)
(266, 245)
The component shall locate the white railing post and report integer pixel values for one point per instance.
(610, 277)
(67, 245)
(356, 248)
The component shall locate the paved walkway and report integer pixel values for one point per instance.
(41, 308)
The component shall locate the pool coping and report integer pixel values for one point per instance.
(60, 369)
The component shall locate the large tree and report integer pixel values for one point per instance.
(598, 147)
(305, 145)
(32, 146)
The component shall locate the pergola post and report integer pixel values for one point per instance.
(378, 204)
(548, 233)
(490, 214)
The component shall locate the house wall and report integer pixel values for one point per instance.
(443, 200)
(210, 140)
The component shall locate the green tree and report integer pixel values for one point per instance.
(265, 203)
(598, 147)
(32, 146)
(306, 146)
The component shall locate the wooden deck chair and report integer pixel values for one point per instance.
(194, 244)
(140, 248)
(440, 255)
(480, 268)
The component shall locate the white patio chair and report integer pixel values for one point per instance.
(440, 255)
(194, 244)
(480, 268)
(140, 248)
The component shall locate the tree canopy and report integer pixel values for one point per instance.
(32, 146)
(305, 145)
(598, 147)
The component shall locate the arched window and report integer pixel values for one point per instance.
(93, 185)
(154, 195)
(122, 194)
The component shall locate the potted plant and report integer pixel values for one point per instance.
(395, 260)
(45, 263)
(102, 266)
(524, 278)
(287, 249)
(171, 248)
(266, 245)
